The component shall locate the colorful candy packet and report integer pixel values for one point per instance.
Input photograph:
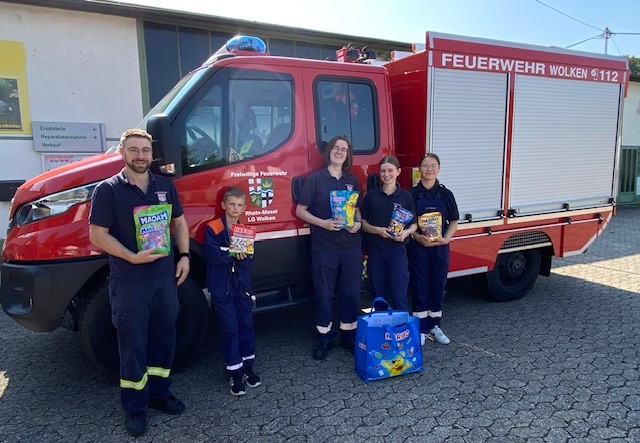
(399, 218)
(152, 228)
(343, 206)
(242, 239)
(430, 224)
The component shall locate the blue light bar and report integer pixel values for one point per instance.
(246, 43)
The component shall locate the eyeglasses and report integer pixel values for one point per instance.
(144, 151)
(433, 166)
(341, 150)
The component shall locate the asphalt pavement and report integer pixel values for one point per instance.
(560, 365)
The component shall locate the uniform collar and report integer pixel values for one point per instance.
(422, 188)
(394, 193)
(327, 174)
(122, 177)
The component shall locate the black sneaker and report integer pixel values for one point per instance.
(168, 405)
(237, 385)
(321, 350)
(250, 378)
(136, 423)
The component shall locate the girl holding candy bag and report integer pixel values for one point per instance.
(438, 216)
(388, 219)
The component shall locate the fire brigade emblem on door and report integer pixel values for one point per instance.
(261, 191)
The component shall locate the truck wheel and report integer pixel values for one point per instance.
(193, 322)
(100, 339)
(99, 336)
(514, 275)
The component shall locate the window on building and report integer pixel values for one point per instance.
(346, 107)
(163, 70)
(308, 50)
(173, 51)
(194, 48)
(284, 48)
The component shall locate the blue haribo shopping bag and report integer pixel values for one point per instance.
(387, 344)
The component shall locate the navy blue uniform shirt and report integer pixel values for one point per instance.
(315, 195)
(112, 207)
(438, 199)
(377, 209)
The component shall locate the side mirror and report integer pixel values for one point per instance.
(165, 157)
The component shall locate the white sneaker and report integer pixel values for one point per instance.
(438, 336)
(423, 338)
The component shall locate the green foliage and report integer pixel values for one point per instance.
(634, 65)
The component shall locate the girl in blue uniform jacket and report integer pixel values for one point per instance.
(388, 265)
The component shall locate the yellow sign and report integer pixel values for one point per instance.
(14, 98)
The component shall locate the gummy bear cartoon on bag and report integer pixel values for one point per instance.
(397, 366)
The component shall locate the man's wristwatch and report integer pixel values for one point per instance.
(185, 254)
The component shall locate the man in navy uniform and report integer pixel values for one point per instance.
(142, 283)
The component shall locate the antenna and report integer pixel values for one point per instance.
(606, 35)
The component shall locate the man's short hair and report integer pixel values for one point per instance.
(135, 132)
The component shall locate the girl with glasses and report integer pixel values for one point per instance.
(438, 216)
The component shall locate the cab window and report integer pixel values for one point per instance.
(238, 115)
(346, 108)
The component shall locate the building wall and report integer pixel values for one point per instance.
(631, 116)
(630, 155)
(80, 67)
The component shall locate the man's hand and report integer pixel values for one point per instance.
(146, 256)
(182, 269)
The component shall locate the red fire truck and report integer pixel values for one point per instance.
(528, 138)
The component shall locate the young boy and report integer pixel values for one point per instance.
(230, 287)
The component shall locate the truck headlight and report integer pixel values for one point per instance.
(54, 204)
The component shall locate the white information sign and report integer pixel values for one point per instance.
(68, 137)
(52, 161)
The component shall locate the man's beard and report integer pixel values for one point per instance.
(140, 169)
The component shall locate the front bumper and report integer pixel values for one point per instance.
(36, 296)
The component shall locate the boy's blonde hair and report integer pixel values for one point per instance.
(233, 192)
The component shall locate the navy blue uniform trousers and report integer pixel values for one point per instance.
(389, 274)
(428, 268)
(235, 322)
(345, 268)
(144, 312)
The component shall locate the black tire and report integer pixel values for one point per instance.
(514, 275)
(100, 339)
(99, 336)
(193, 322)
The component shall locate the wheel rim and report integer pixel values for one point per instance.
(514, 270)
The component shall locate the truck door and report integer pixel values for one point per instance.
(238, 130)
(352, 103)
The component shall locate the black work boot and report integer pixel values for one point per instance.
(323, 347)
(136, 423)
